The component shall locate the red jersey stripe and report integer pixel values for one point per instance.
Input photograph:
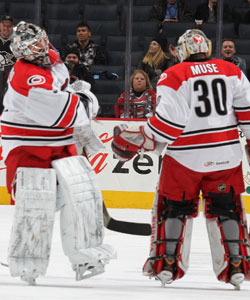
(164, 128)
(214, 137)
(243, 115)
(17, 131)
(70, 113)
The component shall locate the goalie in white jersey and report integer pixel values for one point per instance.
(43, 124)
(201, 102)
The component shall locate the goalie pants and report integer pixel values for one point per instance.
(34, 157)
(178, 182)
(177, 203)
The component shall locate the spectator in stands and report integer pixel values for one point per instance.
(90, 52)
(207, 12)
(155, 60)
(228, 51)
(77, 71)
(142, 97)
(171, 11)
(7, 59)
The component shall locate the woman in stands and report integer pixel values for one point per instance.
(142, 97)
(155, 60)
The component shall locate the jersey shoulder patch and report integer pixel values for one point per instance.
(25, 76)
(173, 76)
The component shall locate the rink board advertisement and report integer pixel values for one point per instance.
(123, 184)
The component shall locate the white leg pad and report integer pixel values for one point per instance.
(216, 246)
(30, 241)
(184, 249)
(82, 227)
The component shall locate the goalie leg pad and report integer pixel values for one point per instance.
(30, 241)
(167, 213)
(228, 233)
(82, 228)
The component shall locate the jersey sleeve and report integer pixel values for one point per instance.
(172, 111)
(40, 95)
(55, 109)
(242, 104)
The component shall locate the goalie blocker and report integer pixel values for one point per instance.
(127, 142)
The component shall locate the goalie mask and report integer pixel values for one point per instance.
(30, 43)
(193, 41)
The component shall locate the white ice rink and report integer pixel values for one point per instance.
(123, 278)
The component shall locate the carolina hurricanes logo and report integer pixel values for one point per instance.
(198, 39)
(162, 77)
(36, 80)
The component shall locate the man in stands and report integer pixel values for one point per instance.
(207, 12)
(90, 52)
(171, 11)
(7, 59)
(201, 102)
(228, 51)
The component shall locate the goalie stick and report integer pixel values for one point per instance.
(123, 226)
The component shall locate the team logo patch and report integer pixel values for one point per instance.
(36, 80)
(163, 76)
(222, 187)
(198, 39)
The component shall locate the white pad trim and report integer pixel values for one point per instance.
(30, 241)
(216, 246)
(185, 247)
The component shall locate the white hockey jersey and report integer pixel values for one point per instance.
(199, 108)
(38, 111)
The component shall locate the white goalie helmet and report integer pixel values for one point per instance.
(193, 41)
(30, 42)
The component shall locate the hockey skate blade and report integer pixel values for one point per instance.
(236, 280)
(166, 277)
(91, 271)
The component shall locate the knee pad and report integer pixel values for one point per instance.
(30, 241)
(163, 210)
(81, 217)
(219, 209)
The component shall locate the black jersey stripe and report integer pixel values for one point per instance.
(242, 108)
(161, 134)
(63, 111)
(35, 139)
(29, 126)
(169, 122)
(215, 129)
(207, 146)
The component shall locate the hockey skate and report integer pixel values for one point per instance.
(167, 273)
(29, 279)
(236, 273)
(87, 270)
(93, 261)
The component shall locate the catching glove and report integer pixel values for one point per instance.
(128, 141)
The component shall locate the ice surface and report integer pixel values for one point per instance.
(123, 278)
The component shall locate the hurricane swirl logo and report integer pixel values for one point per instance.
(36, 80)
(163, 76)
(198, 39)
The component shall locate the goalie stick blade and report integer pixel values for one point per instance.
(123, 226)
(129, 227)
